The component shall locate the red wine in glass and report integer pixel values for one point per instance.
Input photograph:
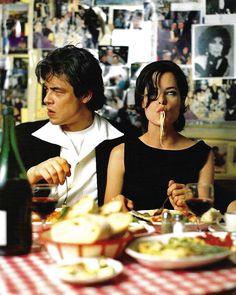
(199, 206)
(44, 199)
(199, 199)
(43, 206)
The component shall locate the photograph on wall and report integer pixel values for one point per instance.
(15, 86)
(230, 114)
(113, 55)
(15, 28)
(221, 11)
(128, 19)
(212, 100)
(118, 2)
(234, 157)
(220, 155)
(213, 51)
(174, 34)
(69, 23)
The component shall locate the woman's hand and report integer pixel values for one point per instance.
(53, 170)
(176, 193)
(127, 204)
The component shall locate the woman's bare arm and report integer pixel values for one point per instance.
(176, 191)
(115, 173)
(206, 174)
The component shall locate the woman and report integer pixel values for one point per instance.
(213, 46)
(143, 171)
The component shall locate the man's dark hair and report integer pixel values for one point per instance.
(81, 69)
(145, 80)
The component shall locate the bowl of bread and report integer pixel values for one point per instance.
(87, 230)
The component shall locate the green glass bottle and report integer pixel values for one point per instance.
(15, 194)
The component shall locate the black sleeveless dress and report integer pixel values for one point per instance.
(148, 171)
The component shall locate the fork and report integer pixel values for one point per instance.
(156, 211)
(65, 200)
(159, 210)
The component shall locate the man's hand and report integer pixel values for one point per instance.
(53, 170)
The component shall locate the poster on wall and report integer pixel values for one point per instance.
(213, 51)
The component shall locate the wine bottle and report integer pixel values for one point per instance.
(15, 194)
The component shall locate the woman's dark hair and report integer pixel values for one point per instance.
(81, 69)
(209, 34)
(145, 80)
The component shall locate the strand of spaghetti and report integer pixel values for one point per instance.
(162, 120)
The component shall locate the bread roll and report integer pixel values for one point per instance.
(119, 222)
(85, 229)
(212, 215)
(84, 206)
(111, 207)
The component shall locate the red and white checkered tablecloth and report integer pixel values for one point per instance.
(32, 275)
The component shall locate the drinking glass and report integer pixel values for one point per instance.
(44, 200)
(199, 198)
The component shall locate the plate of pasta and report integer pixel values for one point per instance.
(186, 250)
(210, 217)
(155, 218)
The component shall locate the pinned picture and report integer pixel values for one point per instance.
(213, 55)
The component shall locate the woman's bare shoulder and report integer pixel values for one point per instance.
(118, 151)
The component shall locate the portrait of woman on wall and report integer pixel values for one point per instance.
(213, 51)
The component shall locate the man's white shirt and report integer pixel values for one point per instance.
(78, 148)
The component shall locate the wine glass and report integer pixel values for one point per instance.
(199, 198)
(44, 200)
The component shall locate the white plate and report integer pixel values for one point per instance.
(174, 263)
(151, 211)
(78, 278)
(141, 228)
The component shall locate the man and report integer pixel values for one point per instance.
(75, 143)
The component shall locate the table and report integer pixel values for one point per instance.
(32, 275)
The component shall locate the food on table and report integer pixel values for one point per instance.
(88, 269)
(182, 247)
(84, 206)
(151, 216)
(111, 207)
(76, 226)
(52, 218)
(85, 229)
(162, 120)
(119, 222)
(211, 216)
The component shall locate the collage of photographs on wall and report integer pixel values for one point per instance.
(125, 35)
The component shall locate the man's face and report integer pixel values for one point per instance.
(63, 107)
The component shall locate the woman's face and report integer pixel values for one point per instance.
(167, 100)
(216, 47)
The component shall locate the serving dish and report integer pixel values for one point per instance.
(169, 262)
(87, 271)
(107, 248)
